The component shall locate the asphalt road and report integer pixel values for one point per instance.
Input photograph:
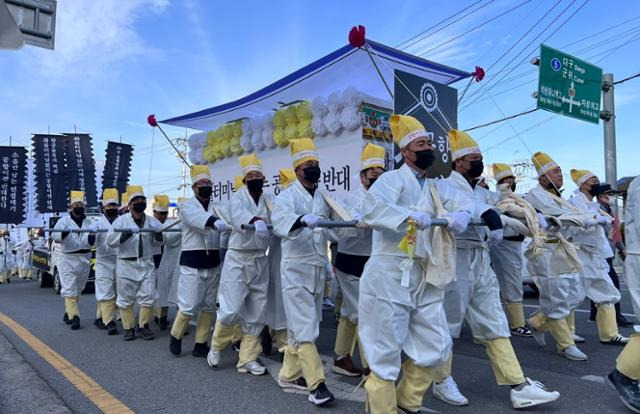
(145, 377)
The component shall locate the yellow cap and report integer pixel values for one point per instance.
(250, 163)
(287, 177)
(372, 156)
(182, 199)
(77, 196)
(238, 183)
(461, 144)
(543, 163)
(200, 172)
(580, 176)
(501, 171)
(406, 129)
(160, 203)
(109, 196)
(124, 200)
(134, 191)
(303, 150)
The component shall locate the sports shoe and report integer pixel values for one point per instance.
(624, 322)
(75, 323)
(327, 304)
(66, 319)
(448, 392)
(299, 384)
(112, 329)
(200, 350)
(99, 324)
(129, 334)
(145, 332)
(532, 393)
(236, 346)
(618, 340)
(163, 323)
(628, 389)
(573, 353)
(253, 368)
(175, 345)
(213, 358)
(321, 395)
(402, 410)
(578, 339)
(345, 366)
(522, 331)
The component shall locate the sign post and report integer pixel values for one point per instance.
(569, 86)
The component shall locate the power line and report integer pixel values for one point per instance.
(501, 120)
(439, 23)
(475, 27)
(637, 75)
(633, 39)
(544, 121)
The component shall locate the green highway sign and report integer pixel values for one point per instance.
(569, 86)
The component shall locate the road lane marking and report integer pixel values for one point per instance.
(102, 399)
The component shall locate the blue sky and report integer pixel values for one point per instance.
(115, 62)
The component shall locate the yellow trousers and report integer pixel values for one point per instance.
(628, 362)
(515, 315)
(302, 360)
(108, 310)
(180, 325)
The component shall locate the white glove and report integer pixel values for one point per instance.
(357, 217)
(495, 236)
(604, 220)
(543, 221)
(310, 220)
(590, 222)
(134, 229)
(155, 225)
(422, 219)
(261, 229)
(219, 225)
(458, 221)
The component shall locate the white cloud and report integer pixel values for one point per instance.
(93, 38)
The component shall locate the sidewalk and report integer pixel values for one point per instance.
(21, 389)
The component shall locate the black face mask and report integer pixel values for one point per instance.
(312, 174)
(513, 187)
(78, 211)
(424, 159)
(371, 181)
(477, 167)
(597, 189)
(205, 192)
(255, 186)
(111, 212)
(139, 207)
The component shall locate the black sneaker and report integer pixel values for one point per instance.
(522, 331)
(299, 384)
(627, 389)
(624, 322)
(66, 319)
(112, 329)
(200, 350)
(129, 334)
(402, 410)
(175, 345)
(266, 341)
(99, 324)
(75, 323)
(236, 345)
(321, 395)
(145, 332)
(163, 323)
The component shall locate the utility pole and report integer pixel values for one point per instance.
(609, 116)
(182, 144)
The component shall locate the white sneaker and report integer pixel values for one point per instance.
(531, 394)
(618, 340)
(252, 367)
(573, 353)
(213, 358)
(578, 339)
(538, 336)
(448, 392)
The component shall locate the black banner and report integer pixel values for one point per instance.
(13, 184)
(433, 104)
(80, 166)
(49, 157)
(117, 166)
